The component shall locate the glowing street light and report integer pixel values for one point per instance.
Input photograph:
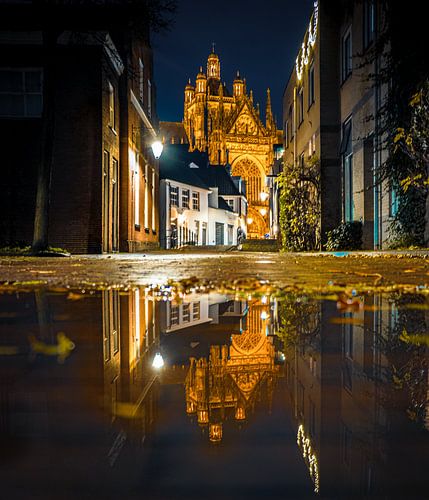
(157, 148)
(249, 220)
(158, 361)
(263, 195)
(263, 212)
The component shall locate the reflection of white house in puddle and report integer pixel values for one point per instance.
(198, 310)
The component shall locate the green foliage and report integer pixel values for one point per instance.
(300, 206)
(347, 236)
(299, 322)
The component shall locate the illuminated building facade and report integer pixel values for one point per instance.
(331, 106)
(229, 127)
(104, 182)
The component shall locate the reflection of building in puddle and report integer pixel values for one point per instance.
(234, 378)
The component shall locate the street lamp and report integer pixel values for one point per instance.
(158, 361)
(157, 148)
(263, 195)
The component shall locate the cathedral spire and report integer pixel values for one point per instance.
(269, 112)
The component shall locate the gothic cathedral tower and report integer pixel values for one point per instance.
(229, 127)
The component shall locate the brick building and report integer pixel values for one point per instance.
(330, 109)
(103, 194)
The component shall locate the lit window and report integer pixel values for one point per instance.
(174, 196)
(347, 61)
(195, 311)
(146, 196)
(174, 315)
(195, 201)
(185, 198)
(186, 313)
(21, 93)
(153, 200)
(111, 106)
(136, 179)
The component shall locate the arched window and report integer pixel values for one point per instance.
(251, 174)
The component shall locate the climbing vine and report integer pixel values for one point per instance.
(299, 216)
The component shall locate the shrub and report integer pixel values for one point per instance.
(347, 236)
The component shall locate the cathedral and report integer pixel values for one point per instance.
(228, 126)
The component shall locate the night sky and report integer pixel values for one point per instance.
(260, 38)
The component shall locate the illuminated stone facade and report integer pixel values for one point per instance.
(229, 127)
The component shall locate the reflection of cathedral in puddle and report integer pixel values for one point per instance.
(234, 378)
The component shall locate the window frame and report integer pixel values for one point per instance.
(346, 56)
(23, 92)
(311, 85)
(185, 198)
(196, 201)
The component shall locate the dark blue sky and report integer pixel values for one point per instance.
(260, 38)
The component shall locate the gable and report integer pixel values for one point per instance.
(245, 122)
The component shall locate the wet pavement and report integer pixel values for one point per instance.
(153, 393)
(306, 271)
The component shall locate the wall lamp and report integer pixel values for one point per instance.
(156, 146)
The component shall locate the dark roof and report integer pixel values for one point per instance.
(218, 176)
(173, 130)
(224, 205)
(174, 164)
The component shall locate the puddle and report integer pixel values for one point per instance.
(144, 393)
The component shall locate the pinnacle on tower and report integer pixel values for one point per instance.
(268, 112)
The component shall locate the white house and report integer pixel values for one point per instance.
(192, 208)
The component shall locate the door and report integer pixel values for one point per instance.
(219, 233)
(115, 205)
(110, 212)
(106, 201)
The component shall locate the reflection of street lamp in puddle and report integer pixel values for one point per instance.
(264, 315)
(263, 195)
(158, 361)
(181, 218)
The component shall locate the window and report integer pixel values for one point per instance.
(291, 123)
(111, 106)
(146, 196)
(185, 198)
(174, 315)
(186, 313)
(21, 93)
(149, 98)
(300, 106)
(136, 179)
(311, 85)
(230, 204)
(286, 133)
(174, 196)
(115, 320)
(368, 22)
(312, 145)
(195, 201)
(153, 201)
(196, 311)
(393, 201)
(302, 161)
(346, 55)
(346, 152)
(141, 80)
